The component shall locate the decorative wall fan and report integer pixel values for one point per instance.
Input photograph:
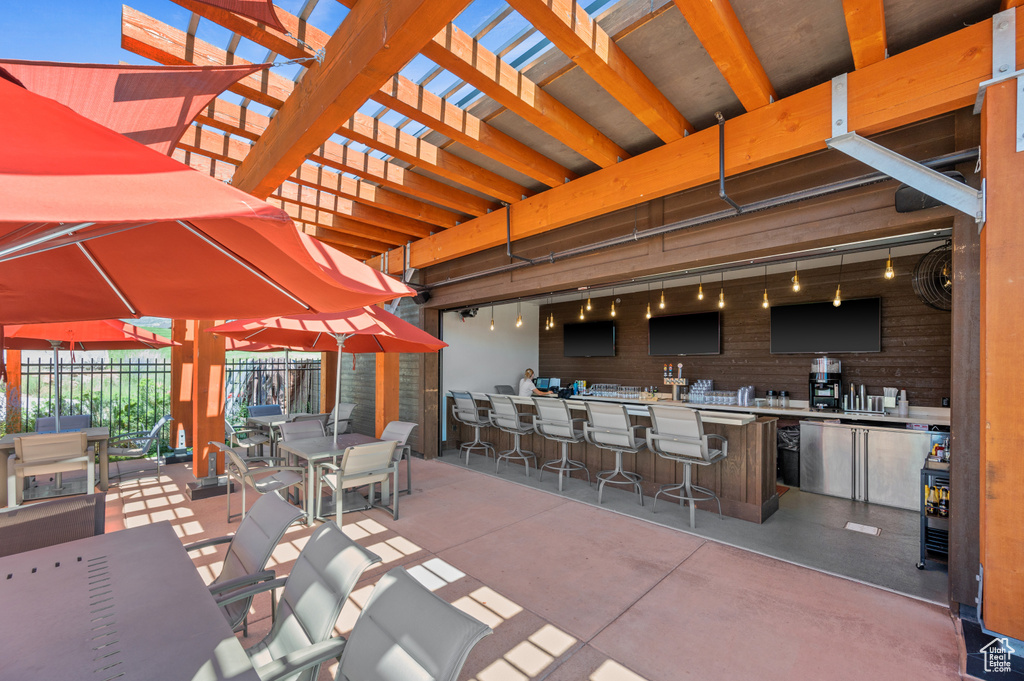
(933, 278)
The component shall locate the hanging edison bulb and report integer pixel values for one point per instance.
(519, 320)
(492, 323)
(588, 305)
(796, 279)
(700, 291)
(721, 298)
(551, 321)
(764, 303)
(838, 299)
(889, 271)
(581, 311)
(613, 307)
(648, 310)
(661, 305)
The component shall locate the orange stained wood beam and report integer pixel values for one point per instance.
(1009, 4)
(568, 26)
(931, 79)
(865, 24)
(207, 396)
(373, 42)
(386, 379)
(313, 217)
(416, 102)
(1002, 387)
(12, 390)
(458, 52)
(719, 31)
(331, 204)
(327, 237)
(182, 379)
(417, 152)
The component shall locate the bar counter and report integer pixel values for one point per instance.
(744, 481)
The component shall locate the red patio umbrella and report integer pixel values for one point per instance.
(108, 334)
(368, 329)
(96, 226)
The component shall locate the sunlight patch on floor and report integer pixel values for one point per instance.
(610, 670)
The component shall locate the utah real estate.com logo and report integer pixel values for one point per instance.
(997, 655)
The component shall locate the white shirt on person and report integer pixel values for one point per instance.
(526, 387)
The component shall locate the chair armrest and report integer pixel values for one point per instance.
(12, 486)
(291, 664)
(244, 580)
(725, 441)
(250, 591)
(195, 546)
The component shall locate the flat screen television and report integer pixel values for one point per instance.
(589, 339)
(854, 326)
(685, 334)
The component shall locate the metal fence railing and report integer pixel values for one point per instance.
(131, 395)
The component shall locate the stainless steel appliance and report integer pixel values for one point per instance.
(826, 390)
(873, 464)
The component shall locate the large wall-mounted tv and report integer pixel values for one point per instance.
(589, 339)
(685, 334)
(854, 326)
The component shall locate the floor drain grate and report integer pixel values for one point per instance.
(866, 529)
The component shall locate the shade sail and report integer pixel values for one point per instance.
(105, 334)
(97, 226)
(368, 329)
(258, 10)
(149, 104)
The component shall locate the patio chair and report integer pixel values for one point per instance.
(554, 422)
(137, 445)
(249, 549)
(263, 476)
(505, 389)
(344, 410)
(324, 575)
(608, 427)
(400, 432)
(45, 455)
(47, 523)
(465, 411)
(404, 632)
(505, 417)
(301, 430)
(245, 438)
(68, 424)
(265, 410)
(361, 465)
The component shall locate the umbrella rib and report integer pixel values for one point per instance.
(242, 262)
(59, 242)
(55, 233)
(107, 278)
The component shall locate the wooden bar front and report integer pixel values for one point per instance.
(744, 481)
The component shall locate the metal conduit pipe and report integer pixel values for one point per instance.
(775, 202)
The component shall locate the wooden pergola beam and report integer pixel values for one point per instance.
(373, 42)
(719, 31)
(329, 238)
(929, 80)
(865, 24)
(416, 102)
(568, 26)
(460, 53)
(311, 216)
(337, 207)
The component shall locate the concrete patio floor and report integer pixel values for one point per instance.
(577, 592)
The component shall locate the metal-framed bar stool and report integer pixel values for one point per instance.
(467, 413)
(677, 434)
(554, 422)
(608, 427)
(505, 417)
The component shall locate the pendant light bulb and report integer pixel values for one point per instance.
(889, 271)
(838, 299)
(552, 320)
(700, 292)
(796, 279)
(581, 312)
(492, 324)
(648, 310)
(613, 308)
(588, 304)
(519, 321)
(764, 303)
(721, 299)
(661, 305)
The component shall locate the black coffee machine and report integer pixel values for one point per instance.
(826, 390)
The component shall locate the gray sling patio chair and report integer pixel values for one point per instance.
(324, 575)
(301, 430)
(68, 423)
(400, 432)
(404, 632)
(47, 455)
(245, 438)
(363, 465)
(136, 445)
(249, 549)
(344, 410)
(250, 473)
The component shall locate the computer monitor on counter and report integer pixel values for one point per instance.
(542, 383)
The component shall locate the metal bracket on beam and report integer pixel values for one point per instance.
(840, 117)
(1004, 63)
(933, 183)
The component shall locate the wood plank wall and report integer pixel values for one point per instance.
(915, 338)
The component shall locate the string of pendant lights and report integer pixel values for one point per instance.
(549, 322)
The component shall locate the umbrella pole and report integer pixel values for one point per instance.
(341, 338)
(56, 378)
(287, 365)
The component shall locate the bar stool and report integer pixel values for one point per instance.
(505, 417)
(467, 413)
(609, 428)
(554, 422)
(678, 435)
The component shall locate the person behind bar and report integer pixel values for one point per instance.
(527, 387)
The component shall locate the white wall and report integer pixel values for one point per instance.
(477, 358)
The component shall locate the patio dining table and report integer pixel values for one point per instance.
(124, 605)
(99, 437)
(318, 449)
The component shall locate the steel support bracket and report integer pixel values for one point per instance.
(840, 117)
(1004, 68)
(933, 183)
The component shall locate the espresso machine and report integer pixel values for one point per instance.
(826, 390)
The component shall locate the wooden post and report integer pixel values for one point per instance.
(430, 401)
(386, 379)
(328, 370)
(1002, 377)
(207, 396)
(182, 331)
(13, 391)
